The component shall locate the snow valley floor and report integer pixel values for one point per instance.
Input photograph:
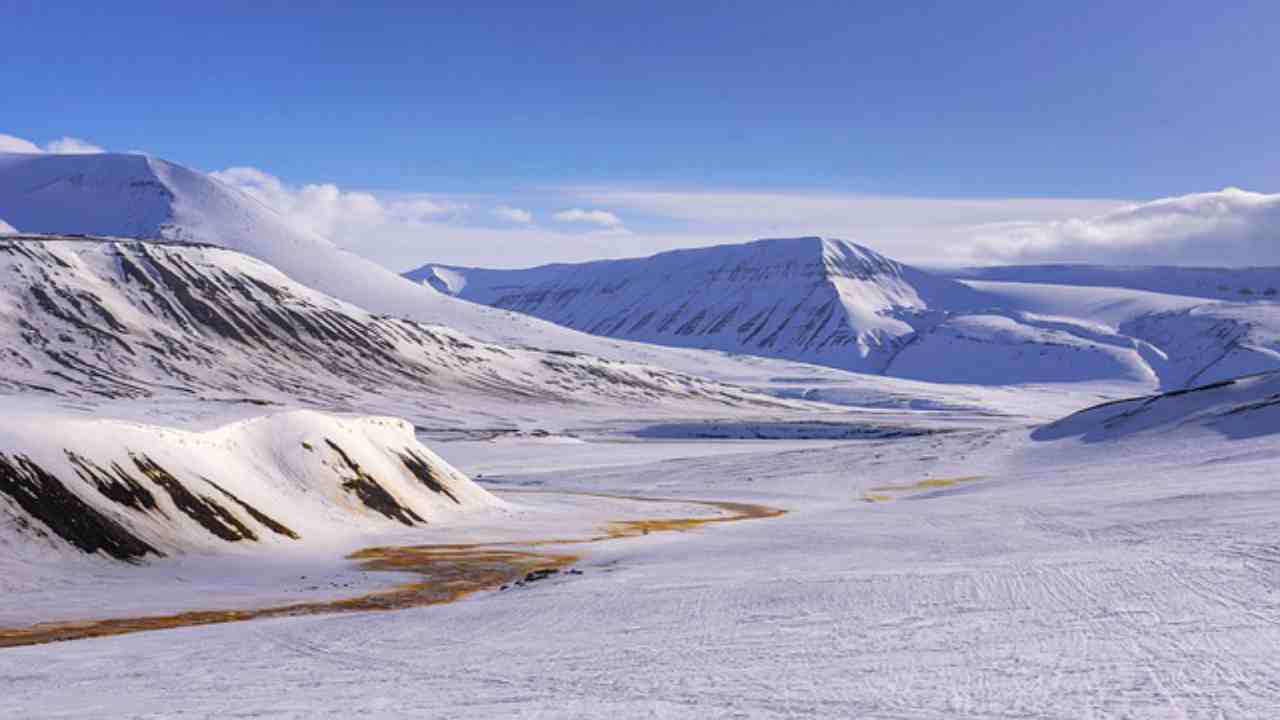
(246, 474)
(1120, 563)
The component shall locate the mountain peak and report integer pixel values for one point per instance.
(807, 298)
(138, 196)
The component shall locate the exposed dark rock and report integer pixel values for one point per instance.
(203, 509)
(46, 499)
(271, 524)
(373, 495)
(115, 484)
(421, 469)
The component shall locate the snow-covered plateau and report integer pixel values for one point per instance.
(246, 474)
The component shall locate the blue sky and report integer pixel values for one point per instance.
(1079, 102)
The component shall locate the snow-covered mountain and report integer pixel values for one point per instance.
(109, 318)
(834, 303)
(138, 196)
(95, 330)
(812, 299)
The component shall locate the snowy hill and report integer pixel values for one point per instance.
(810, 299)
(117, 319)
(131, 491)
(1243, 407)
(838, 304)
(142, 197)
(196, 341)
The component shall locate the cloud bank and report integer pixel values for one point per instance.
(599, 218)
(1228, 227)
(6, 228)
(336, 214)
(512, 215)
(64, 145)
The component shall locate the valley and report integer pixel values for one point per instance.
(815, 481)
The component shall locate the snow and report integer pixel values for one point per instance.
(1059, 583)
(143, 197)
(834, 303)
(1026, 540)
(1242, 407)
(289, 466)
(810, 299)
(1204, 283)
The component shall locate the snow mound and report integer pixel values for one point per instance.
(131, 491)
(1242, 407)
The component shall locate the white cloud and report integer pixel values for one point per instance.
(420, 209)
(6, 228)
(65, 145)
(1228, 227)
(599, 218)
(349, 218)
(512, 214)
(9, 143)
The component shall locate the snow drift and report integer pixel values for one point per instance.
(1242, 407)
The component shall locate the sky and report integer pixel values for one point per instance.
(511, 134)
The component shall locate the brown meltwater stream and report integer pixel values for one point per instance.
(446, 573)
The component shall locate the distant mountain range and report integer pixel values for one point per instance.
(813, 300)
(835, 303)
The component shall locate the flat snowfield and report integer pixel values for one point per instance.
(975, 574)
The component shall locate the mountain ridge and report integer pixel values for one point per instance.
(811, 298)
(836, 303)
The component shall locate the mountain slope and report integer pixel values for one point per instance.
(1233, 284)
(834, 303)
(142, 197)
(811, 299)
(1242, 407)
(102, 319)
(131, 491)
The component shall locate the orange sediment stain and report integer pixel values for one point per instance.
(884, 493)
(446, 573)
